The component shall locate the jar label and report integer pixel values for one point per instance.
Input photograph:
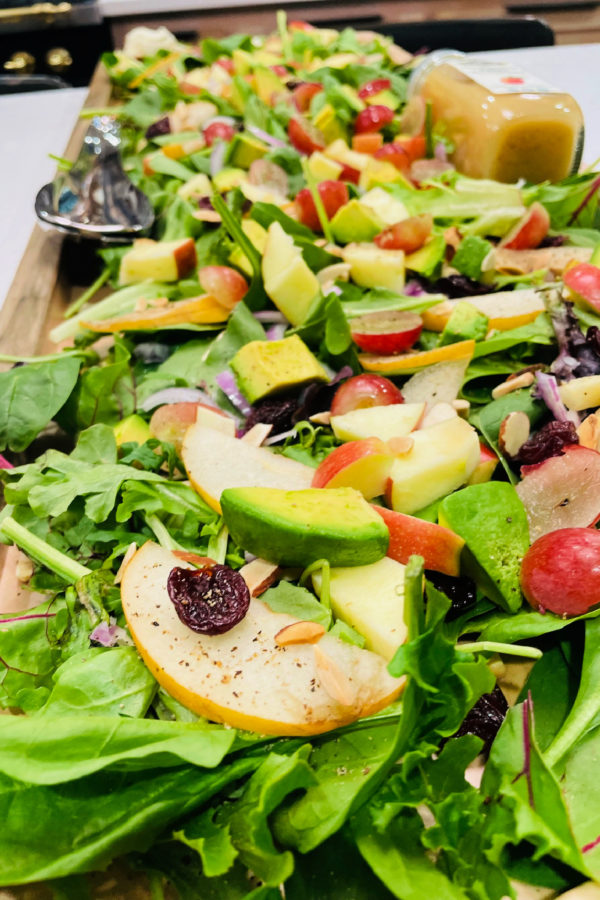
(502, 77)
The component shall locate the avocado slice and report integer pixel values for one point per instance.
(426, 260)
(245, 149)
(466, 323)
(296, 528)
(355, 222)
(492, 520)
(228, 179)
(263, 368)
(131, 428)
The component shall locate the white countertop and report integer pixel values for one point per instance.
(40, 123)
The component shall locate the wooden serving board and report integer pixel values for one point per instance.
(40, 292)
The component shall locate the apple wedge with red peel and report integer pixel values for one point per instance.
(158, 260)
(530, 230)
(223, 283)
(583, 283)
(439, 547)
(485, 467)
(386, 332)
(364, 465)
(562, 491)
(171, 421)
(383, 422)
(215, 461)
(243, 677)
(363, 391)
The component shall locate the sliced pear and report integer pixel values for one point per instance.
(244, 677)
(215, 461)
(383, 422)
(371, 600)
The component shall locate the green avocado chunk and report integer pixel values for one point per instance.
(492, 520)
(426, 260)
(466, 323)
(355, 222)
(244, 150)
(263, 368)
(296, 528)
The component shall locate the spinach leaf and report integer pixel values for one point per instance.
(30, 396)
(211, 841)
(490, 417)
(553, 684)
(522, 626)
(101, 682)
(582, 796)
(104, 393)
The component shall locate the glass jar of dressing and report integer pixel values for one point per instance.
(505, 124)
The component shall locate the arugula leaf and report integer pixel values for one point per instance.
(30, 396)
(296, 601)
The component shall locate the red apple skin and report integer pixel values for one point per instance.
(485, 467)
(408, 235)
(345, 457)
(185, 257)
(584, 281)
(439, 547)
(399, 331)
(223, 283)
(530, 231)
(561, 572)
(362, 391)
(171, 421)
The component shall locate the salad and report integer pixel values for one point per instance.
(301, 581)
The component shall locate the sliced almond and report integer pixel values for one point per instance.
(159, 302)
(299, 633)
(206, 215)
(589, 432)
(525, 379)
(462, 407)
(453, 237)
(401, 445)
(141, 305)
(128, 554)
(257, 434)
(334, 681)
(24, 569)
(259, 575)
(322, 418)
(514, 431)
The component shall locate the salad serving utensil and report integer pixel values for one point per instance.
(95, 198)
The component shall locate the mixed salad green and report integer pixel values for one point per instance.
(325, 298)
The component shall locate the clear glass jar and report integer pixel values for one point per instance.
(505, 123)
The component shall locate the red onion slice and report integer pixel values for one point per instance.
(176, 395)
(227, 383)
(217, 157)
(265, 136)
(547, 390)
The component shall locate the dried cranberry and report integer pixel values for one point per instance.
(557, 240)
(455, 286)
(460, 590)
(593, 338)
(210, 600)
(161, 126)
(548, 441)
(277, 412)
(486, 717)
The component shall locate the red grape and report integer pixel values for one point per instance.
(561, 572)
(365, 390)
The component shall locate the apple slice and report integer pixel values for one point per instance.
(530, 230)
(372, 266)
(158, 261)
(223, 283)
(562, 491)
(371, 600)
(171, 421)
(383, 422)
(364, 465)
(244, 678)
(363, 391)
(386, 332)
(215, 461)
(441, 459)
(288, 281)
(440, 547)
(485, 467)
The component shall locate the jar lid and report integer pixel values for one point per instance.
(429, 62)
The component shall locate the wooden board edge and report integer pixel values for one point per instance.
(25, 308)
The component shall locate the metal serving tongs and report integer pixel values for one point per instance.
(95, 198)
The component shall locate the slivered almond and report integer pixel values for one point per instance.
(299, 633)
(525, 379)
(514, 431)
(141, 305)
(322, 418)
(159, 302)
(257, 434)
(334, 681)
(401, 445)
(128, 554)
(462, 407)
(206, 215)
(589, 432)
(259, 575)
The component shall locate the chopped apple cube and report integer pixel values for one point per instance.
(289, 282)
(158, 261)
